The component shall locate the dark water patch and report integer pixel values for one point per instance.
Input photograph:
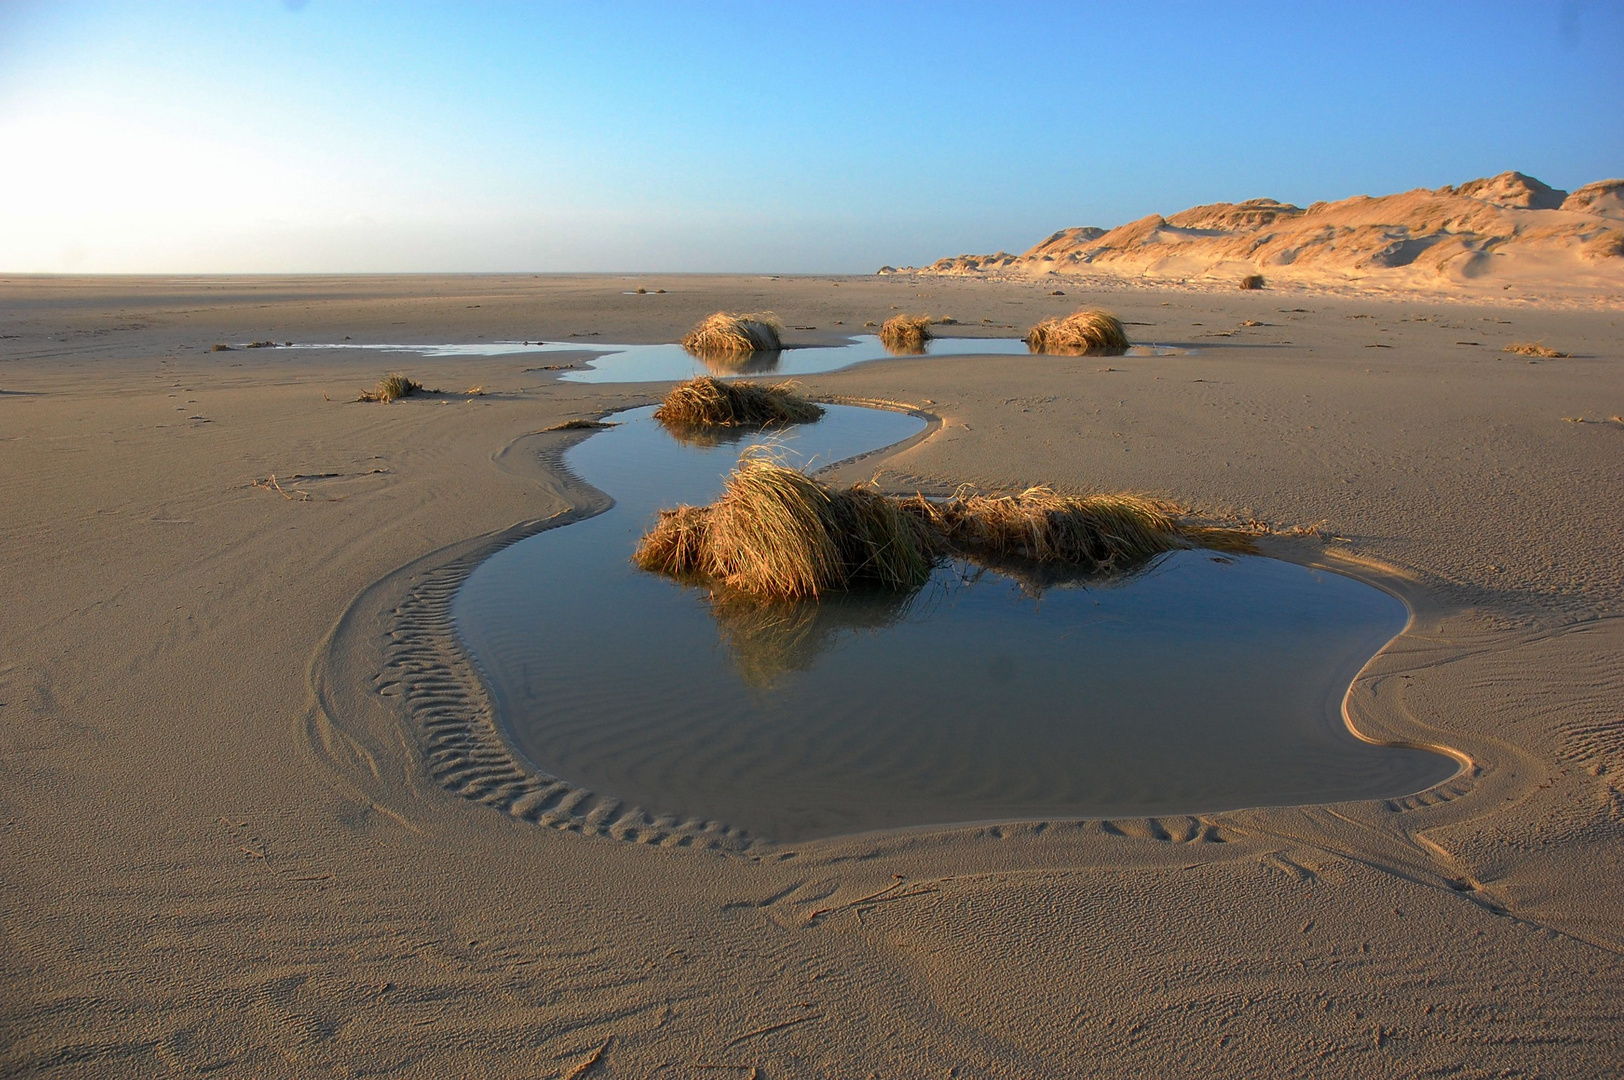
(1201, 682)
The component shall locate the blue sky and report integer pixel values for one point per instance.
(339, 135)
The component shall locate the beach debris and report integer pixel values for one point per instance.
(1535, 348)
(220, 346)
(585, 1065)
(1090, 332)
(269, 483)
(726, 332)
(906, 333)
(707, 401)
(580, 425)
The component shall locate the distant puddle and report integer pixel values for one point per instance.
(1200, 683)
(672, 363)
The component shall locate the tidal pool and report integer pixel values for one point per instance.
(672, 363)
(1199, 682)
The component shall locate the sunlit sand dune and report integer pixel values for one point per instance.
(1504, 233)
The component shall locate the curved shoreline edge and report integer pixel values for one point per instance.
(446, 732)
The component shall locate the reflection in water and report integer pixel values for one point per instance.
(1201, 682)
(709, 436)
(739, 363)
(768, 639)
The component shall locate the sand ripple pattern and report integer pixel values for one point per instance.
(465, 753)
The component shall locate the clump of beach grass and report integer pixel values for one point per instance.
(725, 332)
(1100, 532)
(1253, 281)
(707, 401)
(1090, 332)
(777, 533)
(906, 333)
(392, 387)
(1534, 348)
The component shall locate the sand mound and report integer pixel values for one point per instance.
(1604, 197)
(1500, 232)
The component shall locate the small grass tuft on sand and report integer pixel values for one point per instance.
(906, 333)
(392, 387)
(1091, 332)
(776, 533)
(707, 401)
(1253, 281)
(1534, 348)
(724, 333)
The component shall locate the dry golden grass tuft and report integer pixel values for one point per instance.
(1534, 348)
(711, 402)
(1102, 532)
(392, 387)
(906, 333)
(725, 332)
(1090, 332)
(1253, 281)
(777, 533)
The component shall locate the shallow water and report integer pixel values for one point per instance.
(1202, 682)
(672, 363)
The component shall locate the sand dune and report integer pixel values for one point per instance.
(1503, 233)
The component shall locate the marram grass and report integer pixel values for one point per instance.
(710, 402)
(725, 332)
(1096, 531)
(1083, 333)
(392, 387)
(777, 533)
(905, 333)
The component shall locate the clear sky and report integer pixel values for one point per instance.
(343, 135)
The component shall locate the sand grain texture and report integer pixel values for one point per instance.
(230, 846)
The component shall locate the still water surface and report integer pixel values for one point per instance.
(671, 363)
(1202, 682)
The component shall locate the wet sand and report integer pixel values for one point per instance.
(225, 847)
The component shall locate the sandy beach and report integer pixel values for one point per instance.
(228, 849)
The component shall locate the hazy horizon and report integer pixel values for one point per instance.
(263, 137)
